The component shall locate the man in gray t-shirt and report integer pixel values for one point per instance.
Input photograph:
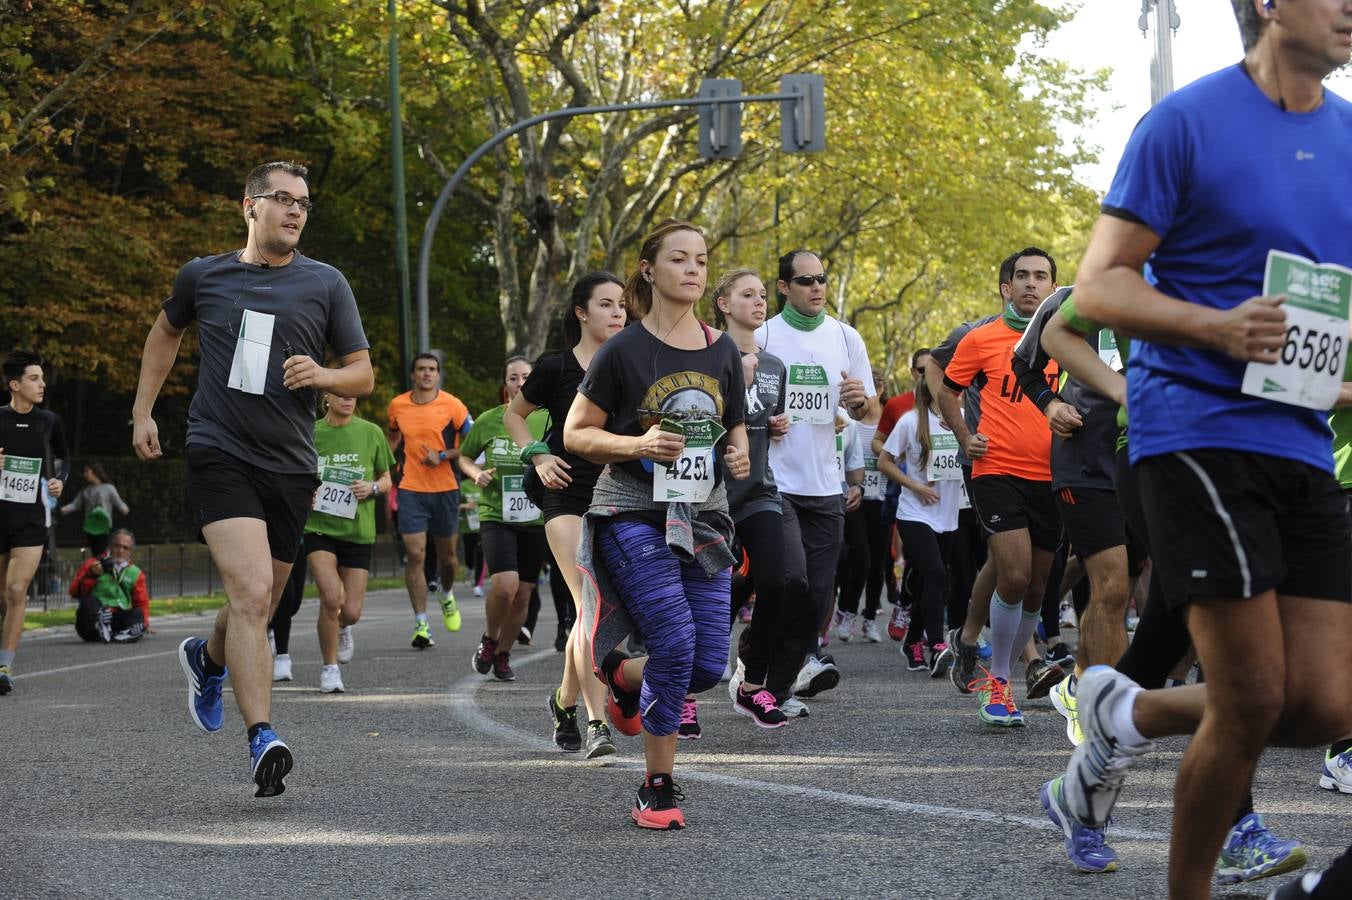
(267, 318)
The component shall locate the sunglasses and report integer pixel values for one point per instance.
(806, 280)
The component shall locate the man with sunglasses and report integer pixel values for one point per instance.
(828, 368)
(267, 316)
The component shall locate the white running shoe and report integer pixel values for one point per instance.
(869, 631)
(814, 677)
(281, 667)
(794, 708)
(843, 626)
(735, 682)
(478, 591)
(1337, 773)
(1099, 765)
(331, 680)
(346, 646)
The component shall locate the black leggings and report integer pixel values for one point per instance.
(861, 559)
(473, 560)
(289, 605)
(927, 555)
(1051, 597)
(762, 537)
(966, 559)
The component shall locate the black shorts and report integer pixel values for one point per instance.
(1007, 503)
(573, 501)
(350, 555)
(1094, 522)
(23, 533)
(221, 486)
(514, 548)
(1227, 523)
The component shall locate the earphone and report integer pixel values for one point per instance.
(1269, 5)
(253, 215)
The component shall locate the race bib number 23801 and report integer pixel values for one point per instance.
(1310, 369)
(808, 398)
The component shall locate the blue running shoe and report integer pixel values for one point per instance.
(1087, 847)
(271, 761)
(1252, 852)
(204, 691)
(983, 648)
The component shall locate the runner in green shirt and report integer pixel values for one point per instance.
(354, 470)
(512, 528)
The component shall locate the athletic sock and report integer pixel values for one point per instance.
(6, 657)
(592, 723)
(1124, 722)
(1027, 626)
(209, 665)
(254, 729)
(1340, 747)
(1005, 621)
(421, 618)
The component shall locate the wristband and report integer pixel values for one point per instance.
(534, 449)
(375, 489)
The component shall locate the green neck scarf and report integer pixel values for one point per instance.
(800, 321)
(1014, 320)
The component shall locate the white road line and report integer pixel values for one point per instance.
(464, 705)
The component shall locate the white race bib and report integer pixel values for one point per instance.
(943, 458)
(335, 495)
(840, 456)
(516, 506)
(690, 479)
(1108, 350)
(472, 518)
(249, 368)
(809, 396)
(873, 479)
(20, 478)
(964, 501)
(1310, 370)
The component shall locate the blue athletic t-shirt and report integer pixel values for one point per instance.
(1223, 175)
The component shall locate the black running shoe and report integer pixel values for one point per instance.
(566, 735)
(760, 707)
(963, 671)
(1042, 678)
(621, 703)
(599, 742)
(483, 656)
(6, 682)
(656, 805)
(502, 669)
(1060, 655)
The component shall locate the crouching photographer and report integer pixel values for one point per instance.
(114, 601)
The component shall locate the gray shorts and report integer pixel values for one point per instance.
(437, 514)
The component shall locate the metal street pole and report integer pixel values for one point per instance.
(1162, 65)
(400, 211)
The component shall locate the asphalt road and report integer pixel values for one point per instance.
(428, 780)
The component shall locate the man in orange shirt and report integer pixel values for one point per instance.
(429, 422)
(1011, 474)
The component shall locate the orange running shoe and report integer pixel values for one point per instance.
(621, 703)
(656, 807)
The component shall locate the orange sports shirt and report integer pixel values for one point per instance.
(1020, 441)
(423, 425)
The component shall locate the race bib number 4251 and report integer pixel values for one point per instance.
(690, 479)
(1310, 369)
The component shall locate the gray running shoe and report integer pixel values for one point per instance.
(599, 742)
(963, 670)
(1042, 678)
(1099, 766)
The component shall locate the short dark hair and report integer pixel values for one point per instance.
(257, 182)
(1250, 23)
(786, 270)
(17, 361)
(915, 357)
(1007, 267)
(413, 366)
(98, 470)
(579, 297)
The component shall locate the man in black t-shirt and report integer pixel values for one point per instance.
(266, 317)
(32, 443)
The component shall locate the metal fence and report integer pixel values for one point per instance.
(171, 570)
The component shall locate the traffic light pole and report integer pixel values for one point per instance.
(804, 139)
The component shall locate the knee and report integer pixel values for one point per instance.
(706, 674)
(15, 596)
(1253, 709)
(414, 556)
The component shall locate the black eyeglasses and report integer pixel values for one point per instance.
(806, 280)
(286, 199)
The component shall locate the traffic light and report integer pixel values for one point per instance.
(802, 120)
(720, 124)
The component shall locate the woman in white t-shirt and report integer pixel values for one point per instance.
(927, 518)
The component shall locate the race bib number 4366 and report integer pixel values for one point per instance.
(1310, 369)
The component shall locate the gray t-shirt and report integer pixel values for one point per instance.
(971, 398)
(102, 495)
(758, 493)
(314, 310)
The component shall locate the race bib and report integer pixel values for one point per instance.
(809, 396)
(690, 479)
(516, 506)
(943, 458)
(873, 479)
(19, 479)
(1108, 351)
(249, 367)
(840, 456)
(472, 518)
(1310, 370)
(964, 501)
(335, 495)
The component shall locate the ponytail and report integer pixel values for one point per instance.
(923, 404)
(638, 290)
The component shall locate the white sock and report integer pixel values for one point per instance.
(1004, 632)
(1124, 722)
(1027, 626)
(421, 618)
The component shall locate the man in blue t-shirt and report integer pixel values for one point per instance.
(1250, 531)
